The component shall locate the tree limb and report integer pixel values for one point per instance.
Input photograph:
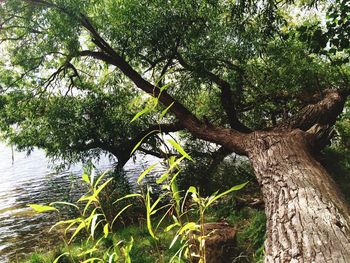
(122, 151)
(324, 112)
(187, 119)
(232, 139)
(226, 94)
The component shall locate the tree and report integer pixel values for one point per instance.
(244, 75)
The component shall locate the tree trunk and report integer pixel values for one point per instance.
(307, 218)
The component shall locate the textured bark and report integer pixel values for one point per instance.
(307, 219)
(324, 112)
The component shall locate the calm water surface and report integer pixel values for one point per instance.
(31, 180)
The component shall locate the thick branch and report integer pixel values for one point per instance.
(178, 109)
(324, 112)
(226, 95)
(232, 139)
(318, 119)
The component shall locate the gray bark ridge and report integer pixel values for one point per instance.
(324, 112)
(307, 218)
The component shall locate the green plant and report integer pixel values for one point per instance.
(171, 204)
(37, 258)
(254, 234)
(187, 213)
(93, 222)
(184, 215)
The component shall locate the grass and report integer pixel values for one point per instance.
(40, 258)
(250, 225)
(145, 248)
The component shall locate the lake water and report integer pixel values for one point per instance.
(30, 180)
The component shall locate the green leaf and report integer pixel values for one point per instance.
(106, 230)
(42, 208)
(120, 212)
(175, 164)
(113, 258)
(89, 251)
(192, 190)
(173, 241)
(94, 224)
(154, 211)
(180, 149)
(176, 195)
(71, 225)
(164, 112)
(194, 195)
(91, 199)
(162, 77)
(162, 178)
(235, 188)
(165, 214)
(92, 176)
(64, 203)
(171, 159)
(56, 259)
(96, 193)
(185, 198)
(64, 222)
(101, 177)
(145, 172)
(127, 196)
(148, 215)
(157, 202)
(76, 232)
(189, 226)
(87, 198)
(139, 143)
(177, 256)
(174, 177)
(92, 260)
(127, 249)
(169, 227)
(165, 87)
(89, 219)
(85, 177)
(139, 114)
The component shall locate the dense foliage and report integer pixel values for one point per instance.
(58, 97)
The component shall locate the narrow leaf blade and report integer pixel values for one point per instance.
(180, 149)
(42, 208)
(145, 172)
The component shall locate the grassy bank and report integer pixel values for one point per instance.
(112, 224)
(250, 225)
